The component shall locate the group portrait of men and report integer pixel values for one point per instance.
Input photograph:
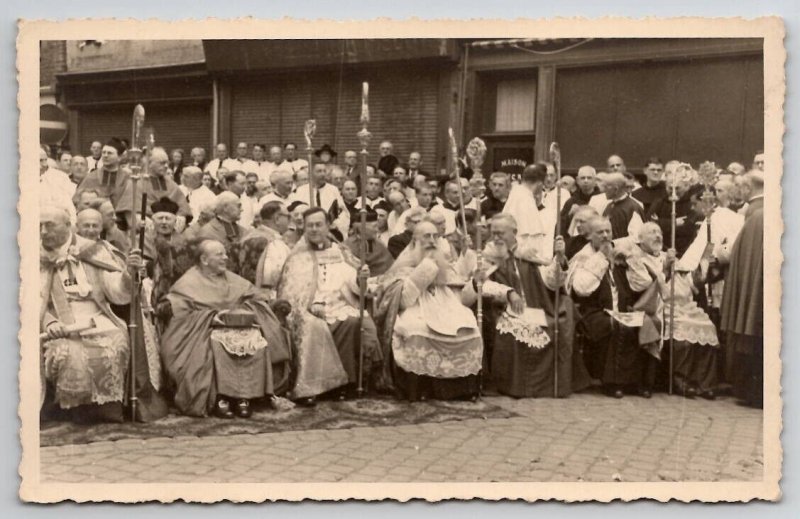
(263, 279)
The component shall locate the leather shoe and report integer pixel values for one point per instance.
(618, 393)
(689, 392)
(708, 395)
(243, 409)
(223, 409)
(306, 402)
(645, 393)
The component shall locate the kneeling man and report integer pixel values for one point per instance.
(222, 343)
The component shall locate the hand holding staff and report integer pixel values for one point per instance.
(308, 131)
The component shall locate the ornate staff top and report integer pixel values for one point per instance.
(476, 153)
(707, 174)
(364, 135)
(555, 154)
(309, 131)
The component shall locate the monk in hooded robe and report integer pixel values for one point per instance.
(320, 281)
(522, 350)
(209, 363)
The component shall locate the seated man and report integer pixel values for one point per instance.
(320, 280)
(225, 228)
(210, 359)
(435, 341)
(85, 346)
(522, 348)
(609, 293)
(264, 251)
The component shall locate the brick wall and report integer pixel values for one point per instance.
(52, 61)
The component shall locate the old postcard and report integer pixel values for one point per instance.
(529, 259)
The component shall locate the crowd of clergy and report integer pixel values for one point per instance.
(253, 295)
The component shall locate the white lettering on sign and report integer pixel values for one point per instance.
(513, 162)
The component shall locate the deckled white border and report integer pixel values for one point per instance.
(31, 32)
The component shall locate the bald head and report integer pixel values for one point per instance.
(89, 224)
(192, 177)
(756, 179)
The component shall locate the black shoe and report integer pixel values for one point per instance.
(689, 392)
(243, 409)
(645, 393)
(618, 393)
(306, 402)
(223, 409)
(708, 395)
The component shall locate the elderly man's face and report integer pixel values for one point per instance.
(614, 189)
(86, 199)
(427, 236)
(316, 228)
(96, 149)
(652, 241)
(108, 214)
(232, 210)
(385, 148)
(215, 259)
(221, 152)
(241, 150)
(568, 183)
(412, 221)
(275, 154)
(615, 164)
(499, 188)
(302, 177)
(198, 156)
(351, 158)
(89, 226)
(600, 234)
(400, 174)
(53, 229)
(580, 223)
(159, 164)
(110, 157)
(337, 178)
(238, 186)
(320, 174)
(503, 234)
(400, 205)
(291, 152)
(414, 160)
(164, 223)
(78, 169)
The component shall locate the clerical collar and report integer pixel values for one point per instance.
(320, 246)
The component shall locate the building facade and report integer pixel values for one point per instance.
(689, 99)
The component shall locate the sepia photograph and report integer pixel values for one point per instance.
(506, 262)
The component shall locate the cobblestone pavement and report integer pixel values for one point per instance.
(583, 438)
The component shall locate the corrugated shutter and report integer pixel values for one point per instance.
(691, 111)
(175, 126)
(403, 105)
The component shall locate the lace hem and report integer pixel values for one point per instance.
(240, 342)
(532, 335)
(697, 334)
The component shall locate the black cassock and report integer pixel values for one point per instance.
(516, 368)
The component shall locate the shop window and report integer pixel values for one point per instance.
(515, 106)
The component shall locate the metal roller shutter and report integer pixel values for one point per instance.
(403, 109)
(175, 126)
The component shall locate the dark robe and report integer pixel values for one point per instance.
(109, 184)
(173, 257)
(186, 346)
(387, 164)
(155, 188)
(522, 371)
(619, 213)
(578, 198)
(612, 352)
(742, 308)
(399, 242)
(378, 257)
(119, 239)
(574, 245)
(492, 206)
(661, 213)
(647, 195)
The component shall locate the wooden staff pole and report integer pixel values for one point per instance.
(135, 156)
(310, 129)
(673, 215)
(555, 157)
(364, 137)
(476, 153)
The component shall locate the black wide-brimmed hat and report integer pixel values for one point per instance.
(325, 147)
(164, 205)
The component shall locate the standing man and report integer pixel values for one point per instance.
(156, 186)
(110, 180)
(327, 197)
(78, 169)
(282, 186)
(291, 160)
(198, 158)
(743, 302)
(499, 189)
(110, 232)
(387, 161)
(372, 193)
(259, 165)
(225, 228)
(221, 160)
(197, 193)
(686, 220)
(351, 170)
(95, 154)
(586, 188)
(654, 187)
(269, 248)
(415, 167)
(622, 211)
(55, 187)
